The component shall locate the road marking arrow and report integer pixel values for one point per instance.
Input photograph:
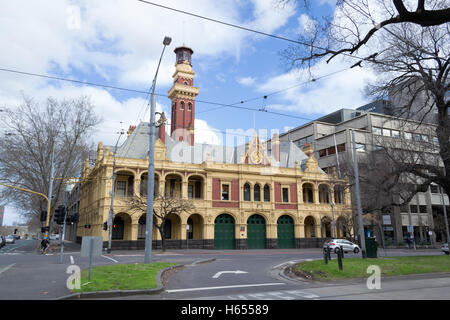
(218, 274)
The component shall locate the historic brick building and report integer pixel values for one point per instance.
(244, 197)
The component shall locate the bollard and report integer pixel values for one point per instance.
(329, 253)
(325, 256)
(342, 252)
(339, 256)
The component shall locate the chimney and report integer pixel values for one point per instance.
(162, 128)
(308, 149)
(275, 144)
(130, 130)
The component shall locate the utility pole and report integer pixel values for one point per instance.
(411, 233)
(50, 190)
(333, 223)
(358, 198)
(66, 195)
(111, 208)
(445, 214)
(151, 166)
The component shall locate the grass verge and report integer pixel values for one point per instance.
(137, 276)
(357, 267)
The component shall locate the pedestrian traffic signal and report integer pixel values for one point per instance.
(45, 229)
(105, 225)
(43, 216)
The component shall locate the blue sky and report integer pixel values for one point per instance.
(118, 43)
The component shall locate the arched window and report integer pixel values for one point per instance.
(308, 195)
(266, 193)
(168, 228)
(324, 194)
(189, 106)
(338, 194)
(181, 105)
(246, 192)
(257, 193)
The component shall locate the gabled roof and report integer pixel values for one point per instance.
(136, 146)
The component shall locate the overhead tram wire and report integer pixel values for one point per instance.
(141, 92)
(145, 92)
(279, 91)
(243, 28)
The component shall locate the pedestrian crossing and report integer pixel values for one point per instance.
(269, 295)
(275, 295)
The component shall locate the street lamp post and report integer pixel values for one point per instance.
(151, 165)
(111, 208)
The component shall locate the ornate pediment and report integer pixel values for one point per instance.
(256, 152)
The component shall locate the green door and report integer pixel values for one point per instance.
(224, 232)
(285, 229)
(256, 232)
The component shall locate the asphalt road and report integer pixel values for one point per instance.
(209, 275)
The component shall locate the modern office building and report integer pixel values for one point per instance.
(331, 138)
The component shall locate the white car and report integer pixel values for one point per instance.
(10, 239)
(335, 245)
(444, 248)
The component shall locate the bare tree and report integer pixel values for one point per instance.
(164, 208)
(31, 133)
(384, 185)
(410, 52)
(363, 19)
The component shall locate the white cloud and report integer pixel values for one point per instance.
(312, 98)
(307, 25)
(247, 81)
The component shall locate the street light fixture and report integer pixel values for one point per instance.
(151, 165)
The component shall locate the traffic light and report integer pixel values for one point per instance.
(105, 225)
(45, 229)
(59, 214)
(15, 231)
(43, 216)
(73, 218)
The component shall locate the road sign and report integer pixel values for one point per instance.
(90, 247)
(387, 219)
(86, 244)
(410, 228)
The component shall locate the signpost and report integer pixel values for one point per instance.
(90, 247)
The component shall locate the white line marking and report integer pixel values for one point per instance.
(227, 287)
(218, 274)
(71, 260)
(110, 258)
(128, 255)
(282, 264)
(6, 268)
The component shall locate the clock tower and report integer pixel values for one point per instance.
(182, 94)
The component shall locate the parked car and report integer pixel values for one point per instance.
(2, 241)
(444, 248)
(335, 245)
(54, 237)
(10, 239)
